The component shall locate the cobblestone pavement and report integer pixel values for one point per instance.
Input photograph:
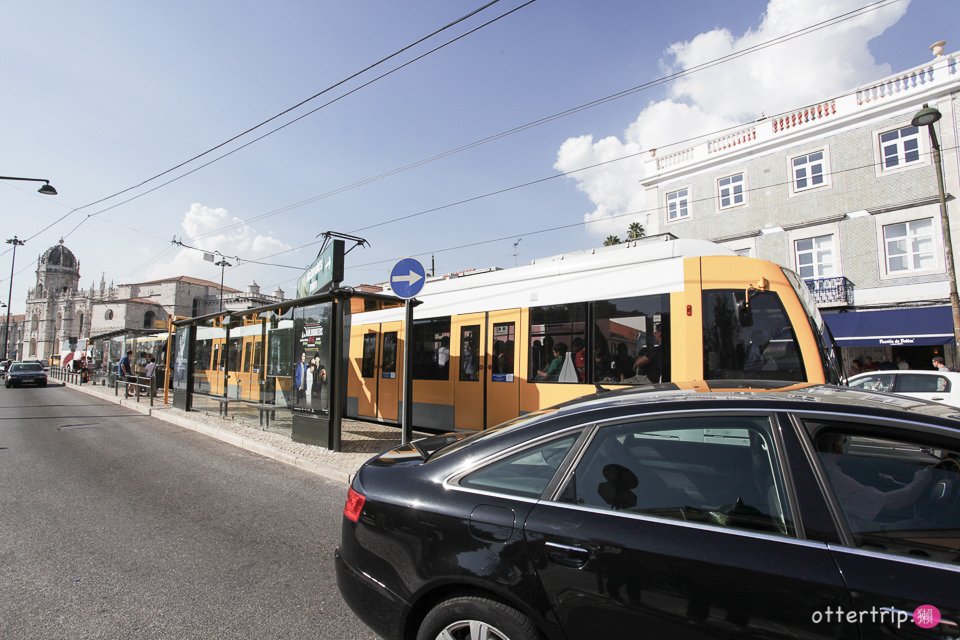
(360, 440)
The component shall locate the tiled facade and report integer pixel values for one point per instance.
(851, 194)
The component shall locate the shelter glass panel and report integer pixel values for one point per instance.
(206, 364)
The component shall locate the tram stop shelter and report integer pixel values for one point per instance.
(286, 363)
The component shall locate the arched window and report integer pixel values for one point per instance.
(197, 305)
(108, 314)
(148, 319)
(33, 346)
(80, 328)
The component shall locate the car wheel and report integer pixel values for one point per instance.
(473, 618)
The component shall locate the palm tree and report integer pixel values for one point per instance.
(635, 231)
(611, 240)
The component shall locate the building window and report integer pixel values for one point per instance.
(196, 307)
(731, 191)
(815, 257)
(808, 171)
(900, 147)
(148, 319)
(909, 246)
(678, 205)
(108, 314)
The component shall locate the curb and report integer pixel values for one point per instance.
(254, 446)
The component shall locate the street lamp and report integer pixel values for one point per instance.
(222, 264)
(926, 117)
(47, 188)
(6, 332)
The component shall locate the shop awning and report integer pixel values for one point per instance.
(916, 326)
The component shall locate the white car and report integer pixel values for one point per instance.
(939, 386)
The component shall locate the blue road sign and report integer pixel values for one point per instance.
(407, 278)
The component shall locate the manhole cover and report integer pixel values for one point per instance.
(68, 427)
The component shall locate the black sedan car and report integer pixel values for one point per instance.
(817, 512)
(21, 373)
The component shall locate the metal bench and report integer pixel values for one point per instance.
(266, 411)
(224, 404)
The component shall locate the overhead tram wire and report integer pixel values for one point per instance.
(573, 110)
(766, 44)
(565, 227)
(301, 117)
(278, 115)
(774, 41)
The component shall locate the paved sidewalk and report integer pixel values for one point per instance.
(360, 440)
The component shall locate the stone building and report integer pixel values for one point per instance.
(14, 337)
(57, 310)
(843, 192)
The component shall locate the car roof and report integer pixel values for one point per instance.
(801, 397)
(900, 372)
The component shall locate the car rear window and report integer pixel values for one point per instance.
(26, 366)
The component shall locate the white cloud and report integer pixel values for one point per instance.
(243, 241)
(781, 77)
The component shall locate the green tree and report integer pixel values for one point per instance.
(635, 231)
(611, 240)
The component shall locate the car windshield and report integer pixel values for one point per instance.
(26, 366)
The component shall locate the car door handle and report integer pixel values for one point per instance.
(567, 555)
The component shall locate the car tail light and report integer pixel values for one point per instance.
(354, 505)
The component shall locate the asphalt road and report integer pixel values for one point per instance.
(115, 525)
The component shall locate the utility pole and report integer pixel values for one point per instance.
(516, 253)
(16, 242)
(222, 263)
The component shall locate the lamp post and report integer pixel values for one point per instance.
(222, 263)
(47, 188)
(926, 117)
(16, 242)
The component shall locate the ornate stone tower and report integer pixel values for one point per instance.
(57, 310)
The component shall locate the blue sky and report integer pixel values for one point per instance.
(100, 96)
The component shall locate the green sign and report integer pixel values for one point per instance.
(325, 272)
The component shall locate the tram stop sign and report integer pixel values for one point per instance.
(407, 278)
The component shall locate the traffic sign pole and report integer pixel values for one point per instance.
(406, 422)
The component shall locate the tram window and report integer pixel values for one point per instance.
(233, 363)
(503, 351)
(557, 335)
(258, 356)
(388, 363)
(431, 349)
(626, 346)
(217, 365)
(748, 342)
(470, 353)
(201, 359)
(368, 363)
(247, 362)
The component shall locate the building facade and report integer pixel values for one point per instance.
(844, 192)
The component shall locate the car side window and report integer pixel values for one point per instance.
(880, 382)
(897, 494)
(714, 470)
(914, 383)
(526, 473)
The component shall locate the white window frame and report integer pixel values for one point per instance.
(826, 172)
(820, 268)
(923, 148)
(683, 202)
(934, 248)
(742, 183)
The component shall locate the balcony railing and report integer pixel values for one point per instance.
(831, 292)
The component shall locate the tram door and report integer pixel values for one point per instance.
(380, 372)
(502, 366)
(469, 338)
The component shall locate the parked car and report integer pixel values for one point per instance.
(939, 386)
(667, 514)
(4, 365)
(21, 373)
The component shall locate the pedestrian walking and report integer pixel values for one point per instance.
(148, 371)
(125, 369)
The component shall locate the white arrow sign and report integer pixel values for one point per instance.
(410, 279)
